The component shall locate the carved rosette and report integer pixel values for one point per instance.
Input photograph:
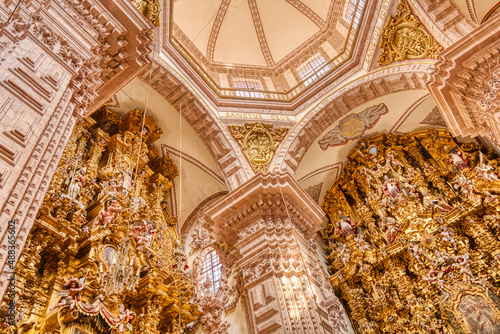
(258, 142)
(404, 37)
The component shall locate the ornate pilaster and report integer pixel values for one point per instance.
(271, 222)
(466, 82)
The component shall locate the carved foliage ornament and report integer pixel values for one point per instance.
(413, 243)
(404, 37)
(258, 142)
(353, 126)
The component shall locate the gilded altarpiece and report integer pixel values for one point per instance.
(104, 255)
(413, 239)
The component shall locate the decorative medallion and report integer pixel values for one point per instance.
(404, 37)
(258, 142)
(353, 126)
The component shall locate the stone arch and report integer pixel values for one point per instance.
(342, 101)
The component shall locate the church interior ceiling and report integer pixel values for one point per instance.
(318, 89)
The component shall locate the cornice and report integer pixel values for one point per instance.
(261, 198)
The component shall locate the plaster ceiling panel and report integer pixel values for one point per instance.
(285, 27)
(237, 42)
(320, 7)
(195, 19)
(476, 9)
(483, 7)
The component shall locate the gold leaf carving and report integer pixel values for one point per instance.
(404, 37)
(258, 142)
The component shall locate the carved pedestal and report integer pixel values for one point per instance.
(271, 222)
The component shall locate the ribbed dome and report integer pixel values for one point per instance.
(257, 33)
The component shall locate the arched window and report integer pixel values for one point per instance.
(211, 270)
(248, 84)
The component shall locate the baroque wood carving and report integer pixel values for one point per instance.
(413, 243)
(104, 255)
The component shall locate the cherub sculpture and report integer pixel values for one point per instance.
(109, 215)
(70, 294)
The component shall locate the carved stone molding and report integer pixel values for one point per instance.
(270, 222)
(342, 101)
(444, 18)
(466, 82)
(222, 148)
(59, 59)
(404, 37)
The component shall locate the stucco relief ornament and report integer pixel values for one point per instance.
(201, 238)
(404, 37)
(353, 126)
(258, 142)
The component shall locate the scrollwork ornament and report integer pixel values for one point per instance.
(258, 141)
(413, 243)
(404, 37)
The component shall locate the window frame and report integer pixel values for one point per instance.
(313, 69)
(253, 88)
(211, 267)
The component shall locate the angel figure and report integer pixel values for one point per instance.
(485, 172)
(361, 242)
(344, 253)
(109, 215)
(143, 234)
(464, 185)
(110, 189)
(447, 236)
(70, 294)
(124, 319)
(136, 205)
(464, 263)
(434, 278)
(415, 250)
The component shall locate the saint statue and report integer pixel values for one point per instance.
(76, 182)
(346, 225)
(126, 180)
(391, 187)
(456, 159)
